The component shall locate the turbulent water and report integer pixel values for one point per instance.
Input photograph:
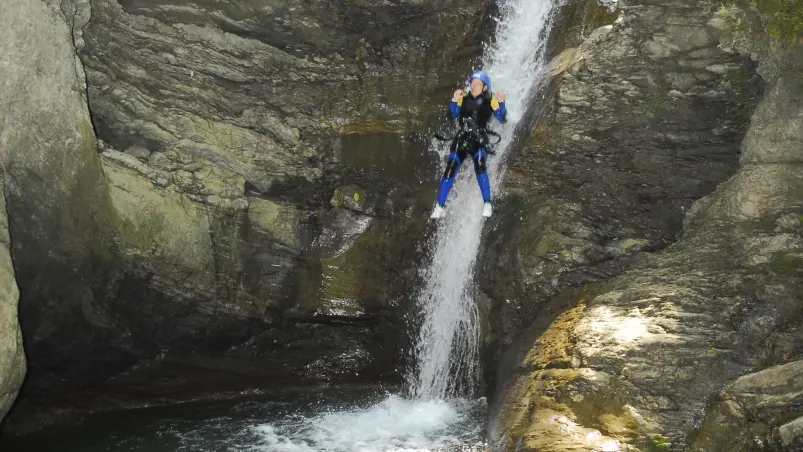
(392, 425)
(447, 348)
(341, 421)
(441, 413)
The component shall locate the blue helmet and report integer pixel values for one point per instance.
(483, 77)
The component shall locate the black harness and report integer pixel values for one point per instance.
(463, 136)
(472, 127)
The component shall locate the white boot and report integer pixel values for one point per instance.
(487, 210)
(437, 212)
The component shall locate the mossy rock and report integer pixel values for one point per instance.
(658, 443)
(787, 262)
(579, 19)
(281, 221)
(158, 224)
(353, 282)
(350, 196)
(395, 123)
(540, 137)
(784, 18)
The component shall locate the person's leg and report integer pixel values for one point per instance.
(456, 157)
(480, 168)
(452, 165)
(480, 157)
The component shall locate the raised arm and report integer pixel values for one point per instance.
(498, 105)
(457, 101)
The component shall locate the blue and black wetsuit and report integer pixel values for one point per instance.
(473, 114)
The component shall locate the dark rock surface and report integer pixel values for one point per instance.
(12, 356)
(758, 411)
(622, 151)
(630, 363)
(251, 207)
(49, 166)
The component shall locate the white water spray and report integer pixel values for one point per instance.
(448, 345)
(394, 425)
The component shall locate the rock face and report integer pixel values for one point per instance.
(248, 205)
(227, 150)
(12, 356)
(647, 117)
(216, 97)
(50, 167)
(59, 212)
(758, 411)
(630, 363)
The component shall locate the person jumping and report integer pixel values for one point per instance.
(472, 110)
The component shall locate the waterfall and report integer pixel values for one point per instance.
(447, 348)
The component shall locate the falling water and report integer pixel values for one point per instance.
(447, 349)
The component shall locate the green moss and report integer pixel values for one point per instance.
(784, 17)
(784, 262)
(356, 279)
(132, 236)
(394, 123)
(659, 443)
(653, 103)
(654, 443)
(579, 20)
(540, 137)
(737, 80)
(338, 198)
(350, 195)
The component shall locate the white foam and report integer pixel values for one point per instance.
(394, 425)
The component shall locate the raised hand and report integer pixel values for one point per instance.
(458, 94)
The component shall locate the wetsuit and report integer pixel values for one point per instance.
(473, 114)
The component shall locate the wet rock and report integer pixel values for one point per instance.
(51, 174)
(756, 411)
(719, 306)
(618, 156)
(283, 223)
(258, 92)
(355, 275)
(351, 197)
(138, 152)
(12, 356)
(791, 434)
(672, 332)
(161, 227)
(225, 132)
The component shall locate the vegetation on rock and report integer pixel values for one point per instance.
(784, 18)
